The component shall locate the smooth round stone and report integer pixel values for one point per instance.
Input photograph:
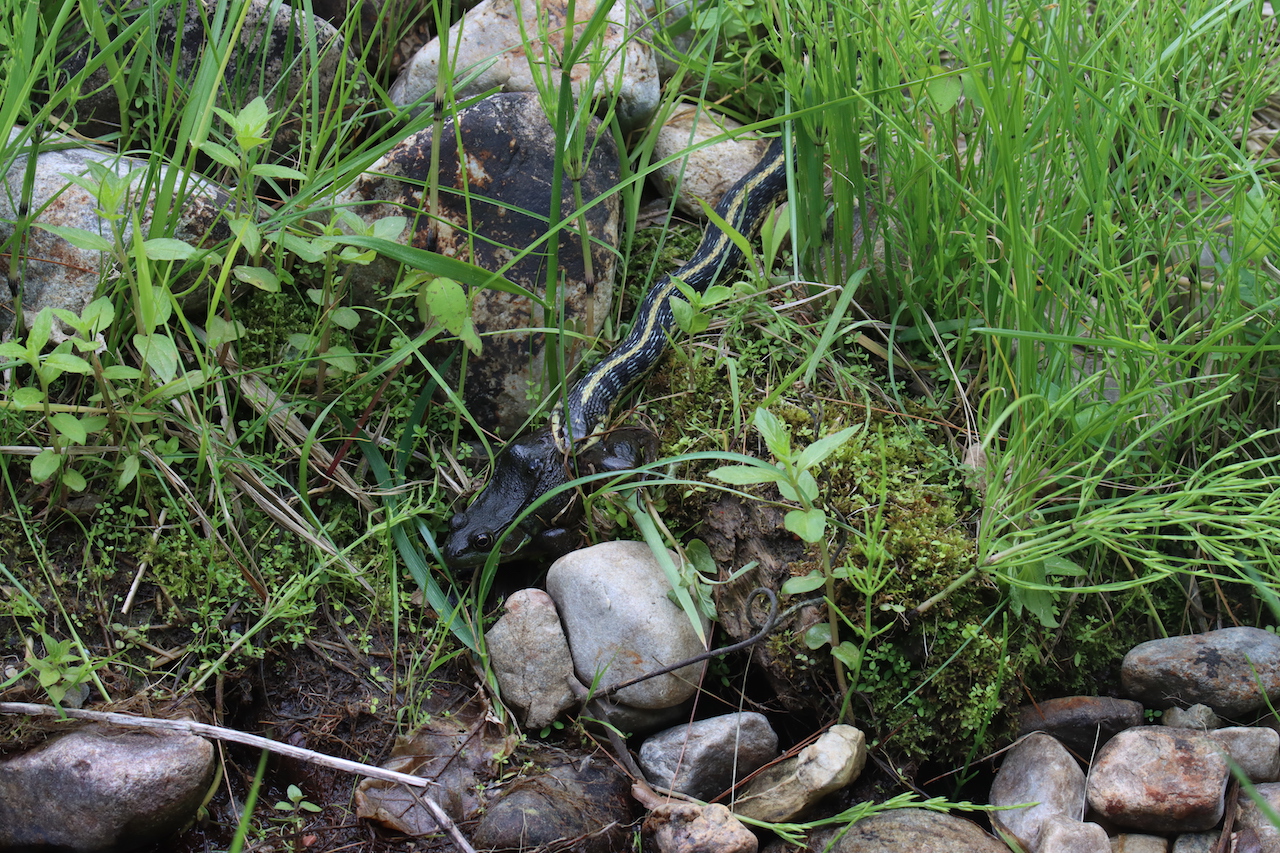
(912, 831)
(706, 757)
(621, 624)
(1220, 669)
(100, 787)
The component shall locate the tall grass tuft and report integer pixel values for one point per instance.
(1076, 248)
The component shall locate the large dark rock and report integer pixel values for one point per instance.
(1082, 723)
(1221, 669)
(914, 830)
(492, 211)
(564, 797)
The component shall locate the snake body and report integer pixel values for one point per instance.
(535, 464)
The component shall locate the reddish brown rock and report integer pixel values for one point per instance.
(1082, 723)
(1160, 779)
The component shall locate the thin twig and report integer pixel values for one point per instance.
(142, 566)
(220, 733)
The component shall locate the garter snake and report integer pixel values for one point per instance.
(535, 464)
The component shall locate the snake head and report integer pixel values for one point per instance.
(527, 469)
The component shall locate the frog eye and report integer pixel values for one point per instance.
(482, 541)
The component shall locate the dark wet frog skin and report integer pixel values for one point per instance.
(528, 468)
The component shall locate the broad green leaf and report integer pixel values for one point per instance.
(389, 227)
(700, 555)
(302, 342)
(128, 471)
(817, 635)
(44, 465)
(301, 246)
(247, 230)
(219, 331)
(443, 301)
(159, 353)
(817, 452)
(1038, 601)
(745, 475)
(41, 328)
(808, 583)
(220, 154)
(716, 293)
(98, 314)
(73, 480)
(121, 372)
(259, 277)
(167, 249)
(187, 383)
(93, 423)
(49, 676)
(689, 321)
(70, 427)
(809, 524)
(13, 349)
(1254, 224)
(344, 317)
(250, 123)
(944, 92)
(469, 337)
(1062, 567)
(78, 237)
(65, 362)
(848, 654)
(808, 487)
(28, 398)
(803, 491)
(341, 358)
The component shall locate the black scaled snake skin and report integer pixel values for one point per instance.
(537, 463)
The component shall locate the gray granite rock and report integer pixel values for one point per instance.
(559, 796)
(1196, 842)
(508, 156)
(613, 602)
(1061, 834)
(909, 831)
(1195, 717)
(1255, 749)
(1216, 668)
(56, 274)
(1130, 842)
(1037, 770)
(706, 757)
(1250, 818)
(704, 173)
(1081, 723)
(101, 787)
(530, 656)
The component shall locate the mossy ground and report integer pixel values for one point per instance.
(937, 687)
